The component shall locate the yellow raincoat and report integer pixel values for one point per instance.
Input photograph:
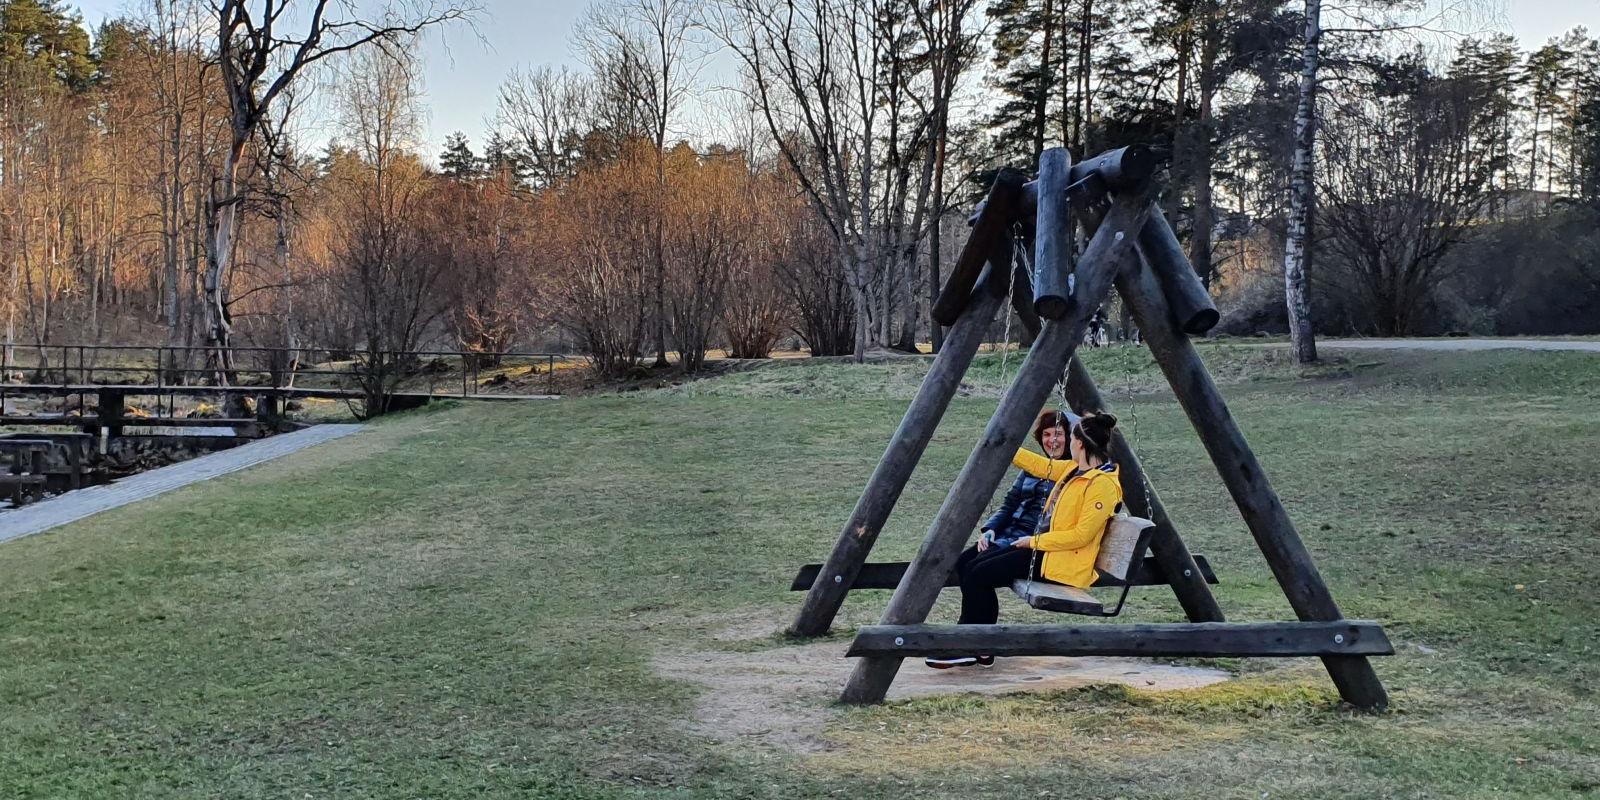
(1075, 516)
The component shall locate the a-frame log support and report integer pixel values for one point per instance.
(905, 449)
(981, 474)
(1263, 512)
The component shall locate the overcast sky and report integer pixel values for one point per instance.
(464, 68)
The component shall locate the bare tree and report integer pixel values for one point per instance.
(390, 245)
(1366, 18)
(1390, 228)
(652, 52)
(951, 49)
(547, 112)
(821, 73)
(259, 60)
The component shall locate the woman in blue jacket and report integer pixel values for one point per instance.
(1018, 515)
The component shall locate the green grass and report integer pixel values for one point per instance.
(466, 602)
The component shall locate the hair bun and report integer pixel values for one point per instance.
(1100, 420)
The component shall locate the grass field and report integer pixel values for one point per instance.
(473, 601)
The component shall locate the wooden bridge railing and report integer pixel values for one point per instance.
(266, 367)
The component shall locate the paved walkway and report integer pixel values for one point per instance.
(73, 506)
(1449, 343)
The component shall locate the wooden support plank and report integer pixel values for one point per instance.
(1263, 512)
(1186, 295)
(905, 449)
(1055, 241)
(999, 211)
(1338, 639)
(887, 575)
(988, 462)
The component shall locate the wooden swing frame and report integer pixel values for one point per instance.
(1133, 249)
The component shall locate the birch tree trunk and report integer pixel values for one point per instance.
(1302, 197)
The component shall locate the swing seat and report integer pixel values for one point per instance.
(1121, 553)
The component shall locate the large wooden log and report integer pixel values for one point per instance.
(887, 575)
(965, 502)
(900, 458)
(1054, 241)
(992, 221)
(1190, 302)
(1341, 639)
(1263, 512)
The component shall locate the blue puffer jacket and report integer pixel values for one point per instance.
(1018, 515)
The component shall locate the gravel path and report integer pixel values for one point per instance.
(72, 506)
(1460, 344)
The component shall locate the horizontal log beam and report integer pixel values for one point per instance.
(989, 227)
(887, 575)
(1197, 639)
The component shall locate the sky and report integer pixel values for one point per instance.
(464, 68)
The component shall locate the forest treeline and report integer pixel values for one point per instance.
(157, 186)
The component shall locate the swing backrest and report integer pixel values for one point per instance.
(1121, 544)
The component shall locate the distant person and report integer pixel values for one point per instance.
(1085, 494)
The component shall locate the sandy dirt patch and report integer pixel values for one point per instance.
(783, 697)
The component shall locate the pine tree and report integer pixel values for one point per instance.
(503, 158)
(1027, 60)
(458, 161)
(1488, 71)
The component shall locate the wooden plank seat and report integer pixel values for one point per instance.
(887, 575)
(1121, 552)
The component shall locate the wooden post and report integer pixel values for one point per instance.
(1263, 512)
(1054, 243)
(1186, 295)
(900, 458)
(112, 409)
(964, 504)
(999, 211)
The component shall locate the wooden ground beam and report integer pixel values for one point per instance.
(905, 449)
(1263, 512)
(987, 464)
(1343, 639)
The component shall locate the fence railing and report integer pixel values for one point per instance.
(166, 366)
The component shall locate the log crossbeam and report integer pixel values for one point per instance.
(1191, 639)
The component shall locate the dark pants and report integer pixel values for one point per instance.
(982, 573)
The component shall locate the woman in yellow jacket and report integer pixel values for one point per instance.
(1064, 547)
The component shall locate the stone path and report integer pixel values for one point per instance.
(73, 506)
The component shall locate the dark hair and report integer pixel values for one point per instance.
(1050, 418)
(1094, 431)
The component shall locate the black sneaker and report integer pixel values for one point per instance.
(985, 661)
(954, 661)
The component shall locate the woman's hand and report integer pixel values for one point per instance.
(1026, 541)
